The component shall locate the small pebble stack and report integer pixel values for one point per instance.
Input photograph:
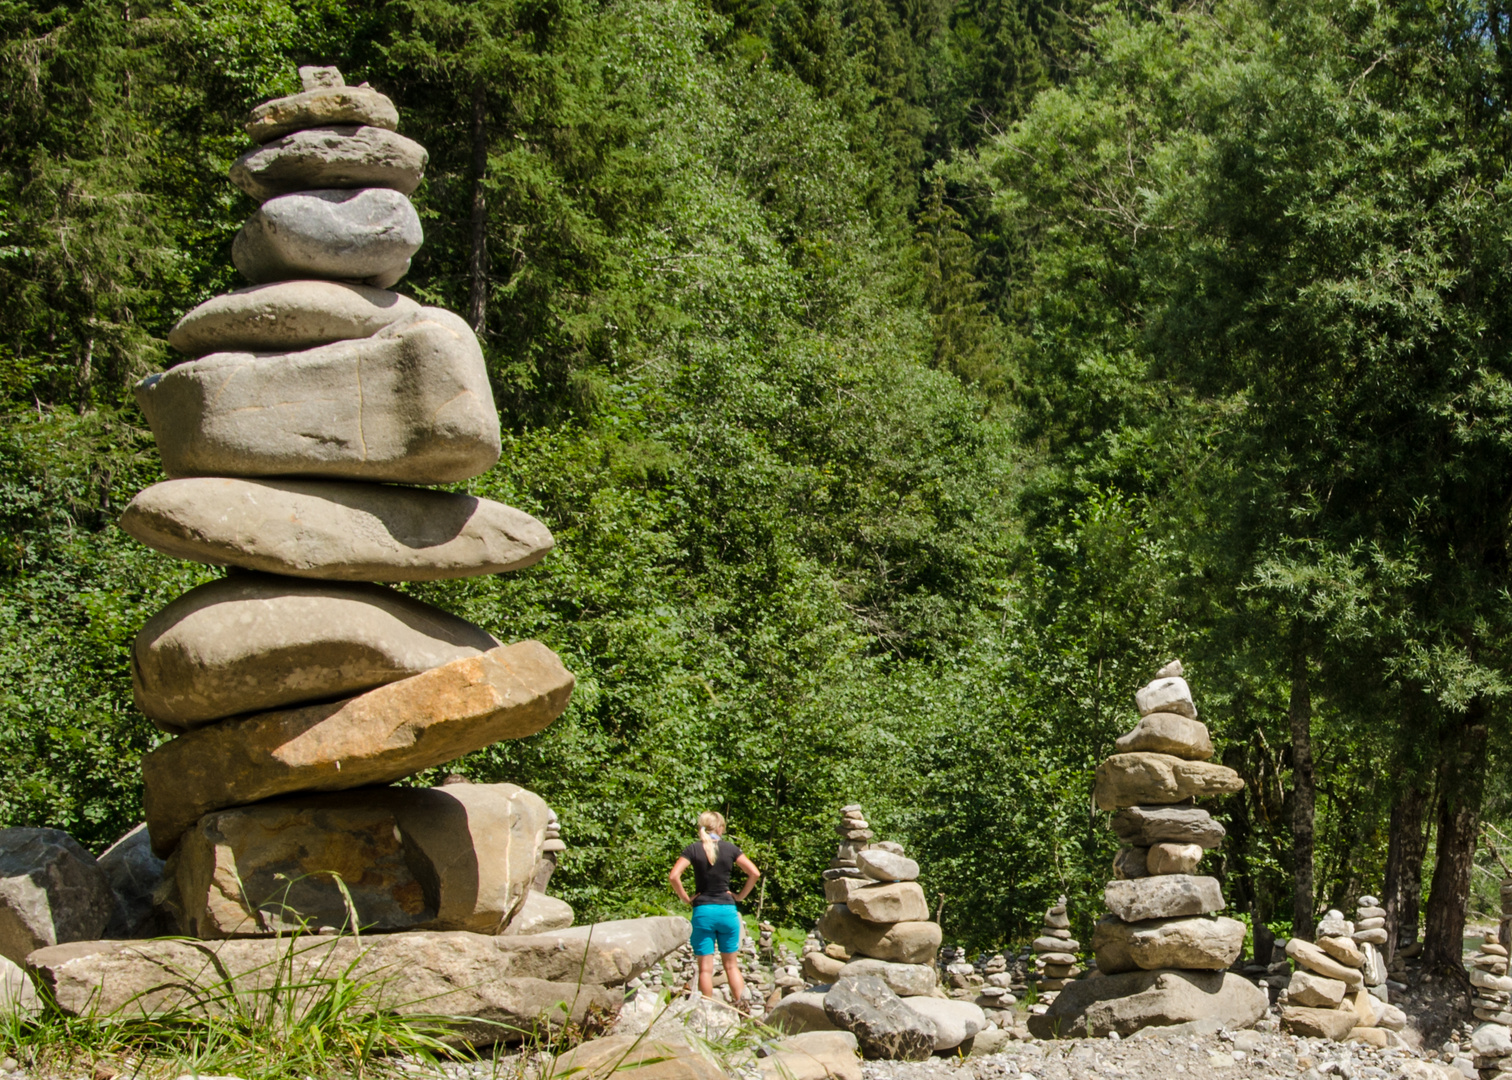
(1055, 953)
(1492, 1040)
(1327, 997)
(1370, 935)
(298, 436)
(1159, 908)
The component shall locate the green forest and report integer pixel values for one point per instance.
(904, 382)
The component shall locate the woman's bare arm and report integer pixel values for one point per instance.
(675, 877)
(751, 874)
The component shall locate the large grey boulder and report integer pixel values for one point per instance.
(469, 984)
(321, 106)
(137, 878)
(1168, 733)
(251, 642)
(1166, 897)
(51, 890)
(903, 943)
(460, 857)
(1139, 999)
(331, 157)
(411, 404)
(378, 737)
(883, 1025)
(335, 531)
(954, 1021)
(1191, 943)
(890, 902)
(365, 235)
(880, 864)
(285, 315)
(1134, 779)
(905, 980)
(1142, 826)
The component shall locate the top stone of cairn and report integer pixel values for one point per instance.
(325, 100)
(1169, 694)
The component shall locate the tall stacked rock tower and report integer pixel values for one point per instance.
(1164, 955)
(300, 683)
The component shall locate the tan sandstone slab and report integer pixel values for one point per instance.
(381, 736)
(1167, 858)
(898, 901)
(410, 404)
(284, 315)
(1312, 991)
(1319, 962)
(1166, 897)
(902, 943)
(321, 107)
(460, 857)
(1189, 943)
(251, 642)
(340, 156)
(487, 984)
(1333, 1024)
(1143, 826)
(1126, 780)
(335, 531)
(635, 1056)
(1168, 733)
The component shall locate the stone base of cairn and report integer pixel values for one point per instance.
(1163, 957)
(1338, 991)
(1054, 953)
(309, 406)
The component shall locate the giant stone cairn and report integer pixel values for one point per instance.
(300, 684)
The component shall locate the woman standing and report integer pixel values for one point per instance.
(716, 920)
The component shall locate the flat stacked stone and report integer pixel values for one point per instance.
(308, 407)
(1055, 953)
(1162, 920)
(1491, 986)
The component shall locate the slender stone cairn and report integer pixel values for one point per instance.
(1165, 959)
(996, 995)
(1370, 935)
(1054, 953)
(313, 406)
(1491, 1042)
(1327, 997)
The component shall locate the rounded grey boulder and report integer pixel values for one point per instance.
(331, 157)
(288, 315)
(51, 891)
(366, 235)
(335, 531)
(253, 641)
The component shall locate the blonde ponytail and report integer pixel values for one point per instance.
(711, 827)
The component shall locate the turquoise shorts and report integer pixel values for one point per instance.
(715, 923)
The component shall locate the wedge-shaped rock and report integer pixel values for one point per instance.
(410, 404)
(1314, 991)
(288, 315)
(381, 736)
(459, 857)
(898, 901)
(365, 235)
(1190, 943)
(1140, 999)
(902, 943)
(1166, 897)
(51, 891)
(1168, 733)
(138, 879)
(252, 642)
(321, 107)
(1333, 1024)
(333, 530)
(1125, 780)
(1144, 826)
(1320, 963)
(331, 157)
(1167, 858)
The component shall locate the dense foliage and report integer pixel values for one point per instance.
(903, 384)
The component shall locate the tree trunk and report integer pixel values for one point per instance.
(1304, 796)
(477, 264)
(1403, 888)
(1461, 785)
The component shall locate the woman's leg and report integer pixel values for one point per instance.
(731, 962)
(706, 975)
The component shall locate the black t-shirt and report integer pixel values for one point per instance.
(713, 882)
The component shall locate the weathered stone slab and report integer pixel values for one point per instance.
(411, 404)
(1168, 733)
(1166, 897)
(1188, 943)
(1170, 694)
(1333, 1024)
(381, 736)
(482, 984)
(251, 642)
(880, 864)
(885, 1028)
(1140, 999)
(905, 980)
(954, 1021)
(814, 1055)
(1142, 826)
(838, 890)
(1316, 960)
(1126, 780)
(136, 875)
(335, 531)
(321, 107)
(1314, 991)
(1342, 949)
(903, 943)
(51, 891)
(345, 156)
(286, 315)
(366, 236)
(890, 902)
(819, 969)
(460, 857)
(540, 914)
(637, 1056)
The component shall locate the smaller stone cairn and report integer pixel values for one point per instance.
(1370, 935)
(1055, 953)
(995, 996)
(1330, 995)
(1491, 1043)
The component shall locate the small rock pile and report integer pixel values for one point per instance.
(1370, 935)
(1055, 953)
(1492, 987)
(995, 995)
(881, 914)
(1329, 997)
(1165, 960)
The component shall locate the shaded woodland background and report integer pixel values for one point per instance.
(904, 381)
